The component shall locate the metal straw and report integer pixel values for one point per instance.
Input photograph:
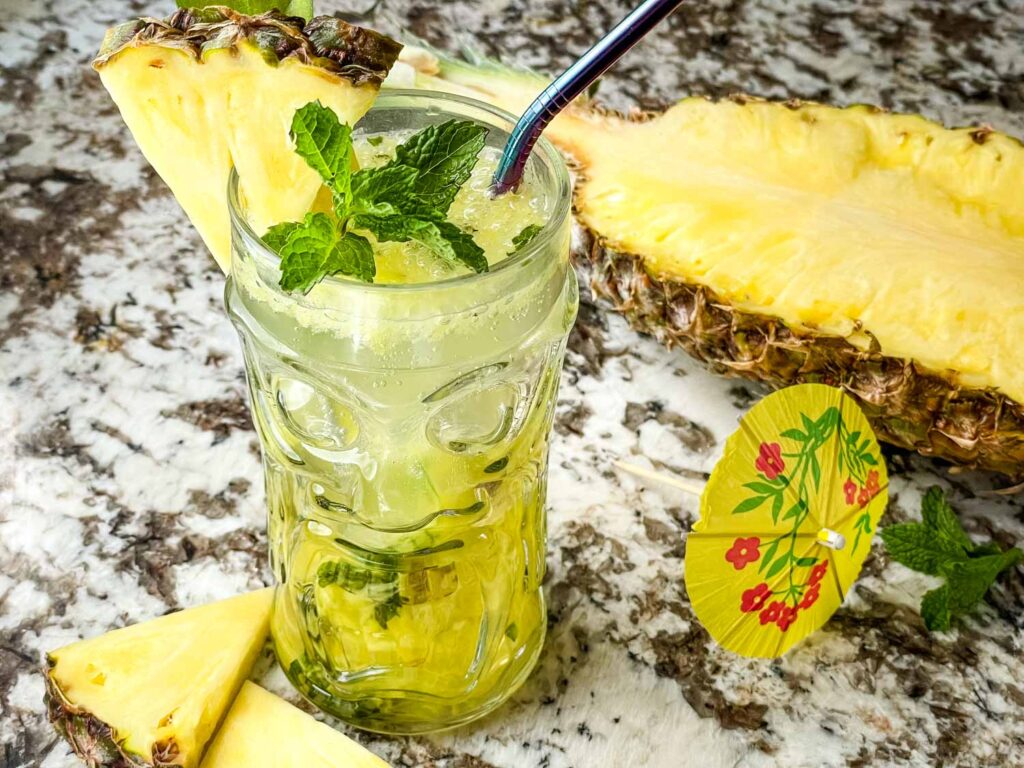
(570, 84)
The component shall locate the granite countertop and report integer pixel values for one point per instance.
(129, 475)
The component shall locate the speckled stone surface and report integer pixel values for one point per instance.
(129, 475)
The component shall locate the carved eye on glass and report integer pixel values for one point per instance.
(317, 419)
(477, 411)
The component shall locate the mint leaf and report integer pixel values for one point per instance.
(353, 255)
(935, 609)
(390, 228)
(525, 235)
(442, 237)
(305, 252)
(969, 581)
(940, 547)
(445, 156)
(315, 249)
(382, 191)
(387, 609)
(300, 8)
(325, 143)
(940, 517)
(920, 548)
(991, 548)
(303, 8)
(277, 235)
(463, 247)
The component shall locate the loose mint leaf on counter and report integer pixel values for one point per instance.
(325, 143)
(919, 548)
(939, 517)
(969, 581)
(939, 546)
(302, 8)
(935, 609)
(444, 155)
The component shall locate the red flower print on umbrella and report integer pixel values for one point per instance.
(872, 483)
(769, 460)
(850, 490)
(771, 614)
(744, 552)
(810, 596)
(786, 617)
(818, 572)
(754, 598)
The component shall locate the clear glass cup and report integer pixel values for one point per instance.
(404, 432)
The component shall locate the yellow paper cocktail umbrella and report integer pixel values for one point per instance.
(786, 521)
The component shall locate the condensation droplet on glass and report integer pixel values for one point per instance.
(317, 529)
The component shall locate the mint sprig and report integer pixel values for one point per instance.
(406, 199)
(939, 546)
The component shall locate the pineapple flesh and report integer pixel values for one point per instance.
(152, 694)
(792, 242)
(209, 89)
(262, 729)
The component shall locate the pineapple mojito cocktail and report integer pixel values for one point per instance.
(404, 427)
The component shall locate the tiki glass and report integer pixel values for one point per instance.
(404, 432)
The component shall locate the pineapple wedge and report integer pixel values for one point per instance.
(209, 89)
(264, 731)
(152, 694)
(795, 242)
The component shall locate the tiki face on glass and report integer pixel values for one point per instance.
(404, 430)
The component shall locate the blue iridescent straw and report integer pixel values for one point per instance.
(570, 84)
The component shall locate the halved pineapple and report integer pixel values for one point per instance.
(208, 89)
(152, 694)
(262, 729)
(793, 242)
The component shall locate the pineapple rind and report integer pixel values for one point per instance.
(89, 737)
(907, 404)
(356, 54)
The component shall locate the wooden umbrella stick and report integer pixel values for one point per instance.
(667, 479)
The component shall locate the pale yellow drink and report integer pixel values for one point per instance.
(404, 428)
